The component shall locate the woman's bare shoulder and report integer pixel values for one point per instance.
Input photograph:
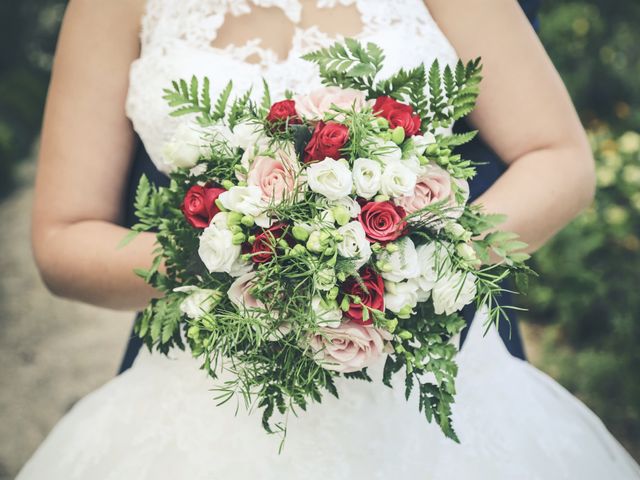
(127, 13)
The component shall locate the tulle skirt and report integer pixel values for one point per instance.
(159, 421)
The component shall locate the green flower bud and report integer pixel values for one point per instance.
(341, 276)
(383, 123)
(456, 230)
(329, 251)
(423, 160)
(398, 135)
(314, 244)
(234, 218)
(341, 215)
(399, 349)
(405, 334)
(431, 149)
(325, 236)
(384, 266)
(242, 184)
(248, 221)
(299, 233)
(391, 325)
(381, 198)
(466, 252)
(333, 293)
(344, 305)
(193, 332)
(386, 135)
(235, 229)
(405, 312)
(392, 247)
(251, 239)
(298, 250)
(376, 247)
(220, 206)
(238, 238)
(227, 184)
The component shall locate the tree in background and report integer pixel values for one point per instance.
(28, 31)
(587, 291)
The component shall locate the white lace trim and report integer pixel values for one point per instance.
(177, 37)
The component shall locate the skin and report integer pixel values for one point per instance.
(524, 114)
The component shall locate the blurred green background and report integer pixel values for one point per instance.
(584, 308)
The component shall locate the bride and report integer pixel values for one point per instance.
(158, 420)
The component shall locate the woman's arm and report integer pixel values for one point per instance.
(84, 160)
(525, 114)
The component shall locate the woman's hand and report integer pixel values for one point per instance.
(525, 115)
(85, 156)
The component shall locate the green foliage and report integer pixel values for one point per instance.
(588, 288)
(594, 44)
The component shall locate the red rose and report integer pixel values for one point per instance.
(265, 243)
(282, 112)
(382, 221)
(398, 114)
(370, 291)
(326, 141)
(199, 205)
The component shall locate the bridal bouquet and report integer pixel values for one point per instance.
(311, 237)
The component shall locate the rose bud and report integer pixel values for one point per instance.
(398, 114)
(327, 140)
(199, 205)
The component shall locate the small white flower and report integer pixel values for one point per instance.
(403, 263)
(453, 291)
(198, 302)
(330, 178)
(419, 143)
(397, 296)
(354, 243)
(184, 149)
(433, 259)
(398, 180)
(367, 176)
(199, 169)
(217, 251)
(328, 314)
(385, 151)
(245, 200)
(325, 279)
(247, 134)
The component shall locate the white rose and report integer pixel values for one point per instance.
(217, 251)
(401, 264)
(328, 314)
(367, 176)
(398, 180)
(400, 295)
(453, 291)
(433, 259)
(385, 151)
(330, 178)
(247, 134)
(184, 149)
(198, 302)
(354, 243)
(419, 143)
(245, 200)
(349, 204)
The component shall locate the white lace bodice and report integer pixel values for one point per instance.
(177, 37)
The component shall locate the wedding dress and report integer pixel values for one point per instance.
(159, 420)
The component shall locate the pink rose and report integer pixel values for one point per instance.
(314, 105)
(240, 293)
(434, 185)
(277, 176)
(349, 347)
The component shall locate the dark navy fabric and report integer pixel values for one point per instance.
(489, 170)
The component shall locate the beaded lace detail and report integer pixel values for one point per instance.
(177, 38)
